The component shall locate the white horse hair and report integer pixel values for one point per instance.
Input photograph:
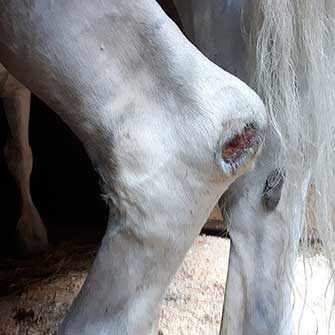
(294, 72)
(292, 67)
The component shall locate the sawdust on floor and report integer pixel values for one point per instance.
(192, 305)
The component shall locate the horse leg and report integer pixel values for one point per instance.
(31, 233)
(258, 299)
(139, 255)
(154, 220)
(156, 213)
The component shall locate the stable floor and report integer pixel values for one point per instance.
(39, 292)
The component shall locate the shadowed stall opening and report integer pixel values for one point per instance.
(64, 185)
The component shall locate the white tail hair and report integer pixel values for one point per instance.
(293, 69)
(292, 55)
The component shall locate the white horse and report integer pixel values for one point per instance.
(169, 132)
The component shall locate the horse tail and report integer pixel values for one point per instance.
(292, 62)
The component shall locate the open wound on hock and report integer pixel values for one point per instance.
(240, 149)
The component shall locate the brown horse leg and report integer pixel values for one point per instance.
(31, 232)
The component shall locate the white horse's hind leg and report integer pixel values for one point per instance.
(32, 235)
(258, 298)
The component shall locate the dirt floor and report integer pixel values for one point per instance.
(36, 294)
